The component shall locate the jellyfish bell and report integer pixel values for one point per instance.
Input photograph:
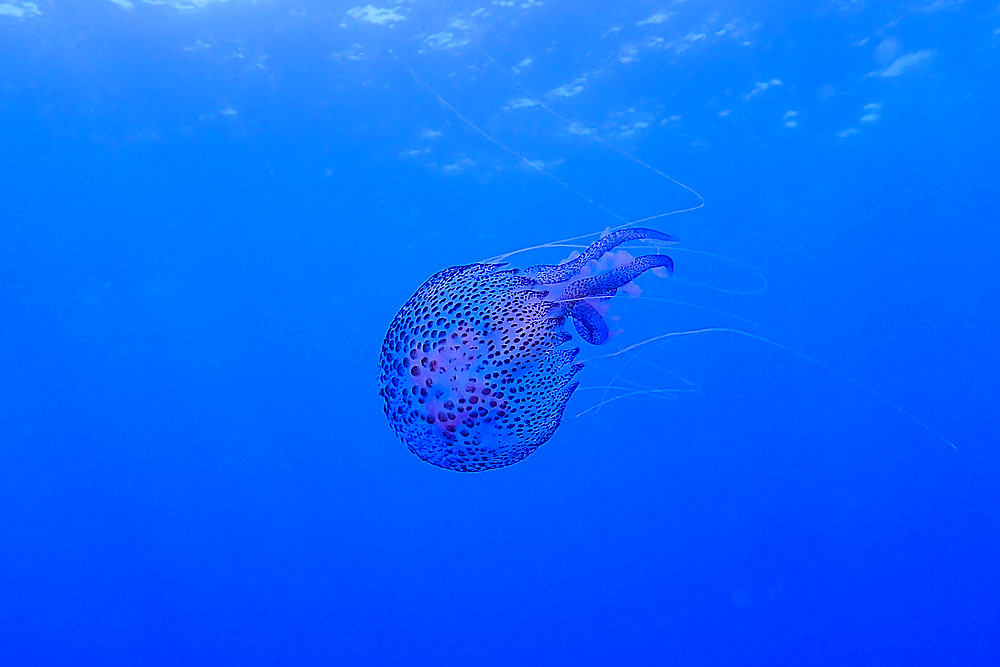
(478, 365)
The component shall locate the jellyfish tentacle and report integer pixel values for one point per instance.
(589, 323)
(549, 273)
(605, 284)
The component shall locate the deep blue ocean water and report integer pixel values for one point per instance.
(210, 212)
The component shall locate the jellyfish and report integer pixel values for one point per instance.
(478, 365)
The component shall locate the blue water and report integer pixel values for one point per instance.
(211, 211)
